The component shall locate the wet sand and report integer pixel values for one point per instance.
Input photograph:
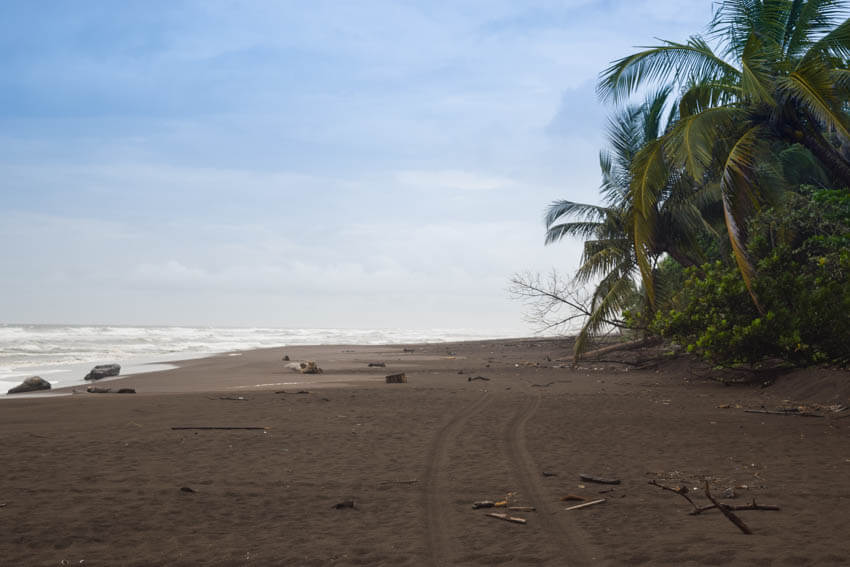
(104, 479)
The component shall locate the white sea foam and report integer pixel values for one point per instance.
(62, 354)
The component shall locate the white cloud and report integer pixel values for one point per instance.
(453, 180)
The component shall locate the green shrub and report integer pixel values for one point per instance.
(802, 255)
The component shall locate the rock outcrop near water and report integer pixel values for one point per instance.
(31, 384)
(103, 371)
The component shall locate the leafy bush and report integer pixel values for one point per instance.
(802, 255)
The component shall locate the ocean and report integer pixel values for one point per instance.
(63, 354)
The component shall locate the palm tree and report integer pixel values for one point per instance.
(779, 76)
(609, 256)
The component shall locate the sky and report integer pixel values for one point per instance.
(299, 164)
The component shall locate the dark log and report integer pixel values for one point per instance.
(598, 479)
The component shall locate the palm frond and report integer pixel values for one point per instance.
(707, 94)
(649, 176)
(652, 113)
(603, 256)
(835, 43)
(574, 229)
(808, 21)
(607, 305)
(692, 140)
(841, 82)
(561, 209)
(737, 182)
(736, 21)
(811, 86)
(755, 70)
(664, 64)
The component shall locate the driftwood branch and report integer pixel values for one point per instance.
(738, 508)
(681, 491)
(217, 428)
(788, 412)
(730, 515)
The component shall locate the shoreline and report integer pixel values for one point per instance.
(107, 479)
(70, 374)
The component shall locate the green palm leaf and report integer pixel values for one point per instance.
(811, 86)
(664, 64)
(739, 199)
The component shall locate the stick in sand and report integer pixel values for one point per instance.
(586, 504)
(217, 428)
(727, 512)
(506, 518)
(598, 479)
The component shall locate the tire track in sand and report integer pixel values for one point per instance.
(436, 481)
(562, 530)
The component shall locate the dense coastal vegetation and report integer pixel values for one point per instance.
(725, 223)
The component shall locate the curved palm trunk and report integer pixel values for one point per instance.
(829, 156)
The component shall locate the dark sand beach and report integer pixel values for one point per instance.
(103, 479)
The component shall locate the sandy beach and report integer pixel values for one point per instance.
(104, 479)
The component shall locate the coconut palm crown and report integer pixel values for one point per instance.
(777, 75)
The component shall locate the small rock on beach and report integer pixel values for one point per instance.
(31, 384)
(103, 371)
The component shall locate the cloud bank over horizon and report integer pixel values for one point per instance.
(289, 164)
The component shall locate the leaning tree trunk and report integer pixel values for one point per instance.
(827, 154)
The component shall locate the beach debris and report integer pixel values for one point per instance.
(96, 390)
(729, 493)
(377, 364)
(587, 504)
(790, 411)
(234, 398)
(730, 515)
(345, 504)
(3, 504)
(683, 492)
(484, 504)
(598, 479)
(572, 498)
(542, 385)
(471, 378)
(507, 518)
(186, 489)
(285, 358)
(547, 473)
(680, 490)
(31, 384)
(306, 367)
(461, 371)
(409, 350)
(522, 509)
(400, 378)
(214, 427)
(103, 371)
(126, 391)
(738, 508)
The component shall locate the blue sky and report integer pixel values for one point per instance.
(304, 164)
